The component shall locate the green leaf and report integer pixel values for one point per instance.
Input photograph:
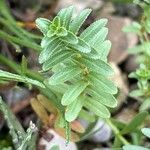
(143, 48)
(117, 143)
(99, 37)
(90, 32)
(97, 108)
(73, 92)
(136, 137)
(135, 122)
(10, 118)
(53, 51)
(53, 45)
(148, 2)
(73, 109)
(145, 105)
(79, 20)
(104, 98)
(65, 16)
(61, 88)
(6, 76)
(56, 21)
(14, 126)
(81, 46)
(23, 65)
(57, 59)
(135, 27)
(103, 50)
(45, 41)
(64, 75)
(133, 75)
(134, 147)
(146, 132)
(97, 66)
(136, 93)
(101, 83)
(70, 38)
(43, 24)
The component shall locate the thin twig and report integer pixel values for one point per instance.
(117, 132)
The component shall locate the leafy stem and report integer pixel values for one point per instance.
(17, 68)
(33, 75)
(117, 132)
(14, 39)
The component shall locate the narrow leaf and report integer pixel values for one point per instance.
(12, 121)
(136, 93)
(52, 46)
(97, 108)
(135, 122)
(56, 59)
(6, 76)
(56, 21)
(79, 20)
(90, 32)
(45, 41)
(73, 109)
(59, 89)
(146, 132)
(134, 147)
(98, 38)
(104, 98)
(145, 105)
(135, 27)
(101, 83)
(73, 92)
(43, 24)
(65, 16)
(23, 65)
(103, 50)
(97, 66)
(64, 75)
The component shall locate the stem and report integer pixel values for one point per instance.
(6, 14)
(19, 41)
(17, 69)
(117, 132)
(34, 75)
(89, 131)
(12, 28)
